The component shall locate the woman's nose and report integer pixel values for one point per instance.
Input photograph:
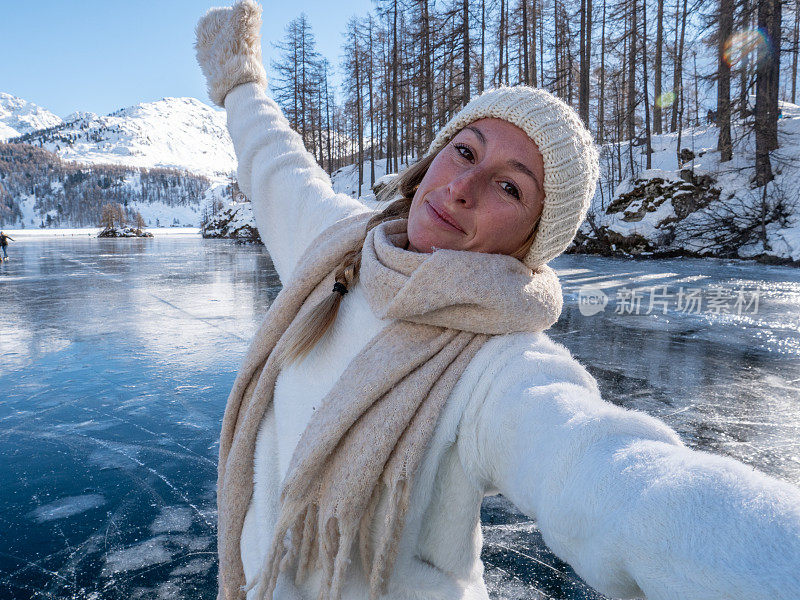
(463, 188)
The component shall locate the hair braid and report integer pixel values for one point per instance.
(322, 316)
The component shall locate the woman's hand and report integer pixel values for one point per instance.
(228, 46)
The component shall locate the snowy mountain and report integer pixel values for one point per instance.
(40, 189)
(18, 117)
(168, 160)
(173, 133)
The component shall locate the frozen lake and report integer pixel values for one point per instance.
(116, 358)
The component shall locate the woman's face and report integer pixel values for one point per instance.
(483, 192)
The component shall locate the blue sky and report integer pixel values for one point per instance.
(103, 55)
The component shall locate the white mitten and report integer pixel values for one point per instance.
(228, 46)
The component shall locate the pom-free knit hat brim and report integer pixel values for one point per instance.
(571, 160)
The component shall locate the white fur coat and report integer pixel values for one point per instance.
(615, 492)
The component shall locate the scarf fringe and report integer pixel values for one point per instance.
(388, 544)
(308, 556)
(337, 541)
(364, 550)
(332, 553)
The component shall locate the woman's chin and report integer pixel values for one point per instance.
(417, 247)
(423, 243)
(421, 239)
(430, 245)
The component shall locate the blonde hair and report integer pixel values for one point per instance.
(317, 321)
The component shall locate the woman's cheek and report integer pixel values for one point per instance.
(510, 228)
(503, 219)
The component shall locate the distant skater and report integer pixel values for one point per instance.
(4, 244)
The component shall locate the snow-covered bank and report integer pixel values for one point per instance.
(234, 221)
(698, 208)
(701, 207)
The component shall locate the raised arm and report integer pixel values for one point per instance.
(292, 197)
(619, 497)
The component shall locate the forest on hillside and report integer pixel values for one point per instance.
(71, 194)
(633, 69)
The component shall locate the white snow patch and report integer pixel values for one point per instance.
(67, 507)
(144, 554)
(172, 518)
(345, 180)
(733, 179)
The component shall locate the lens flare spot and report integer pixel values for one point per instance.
(747, 44)
(665, 100)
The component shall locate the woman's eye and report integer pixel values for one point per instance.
(511, 189)
(461, 149)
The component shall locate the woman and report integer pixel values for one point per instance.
(402, 375)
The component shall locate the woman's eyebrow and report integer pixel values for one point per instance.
(518, 166)
(477, 132)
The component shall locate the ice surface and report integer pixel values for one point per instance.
(117, 356)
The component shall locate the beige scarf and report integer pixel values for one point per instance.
(372, 429)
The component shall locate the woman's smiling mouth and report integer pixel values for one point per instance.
(442, 218)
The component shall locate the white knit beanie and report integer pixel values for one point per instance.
(571, 162)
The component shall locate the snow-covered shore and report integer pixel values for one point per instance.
(701, 207)
(698, 208)
(39, 232)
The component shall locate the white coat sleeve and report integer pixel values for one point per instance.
(292, 197)
(620, 498)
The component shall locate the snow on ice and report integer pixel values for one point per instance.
(67, 507)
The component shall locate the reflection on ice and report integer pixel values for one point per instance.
(117, 357)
